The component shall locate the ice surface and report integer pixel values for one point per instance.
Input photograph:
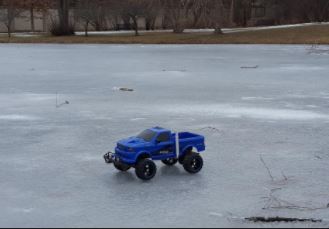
(51, 167)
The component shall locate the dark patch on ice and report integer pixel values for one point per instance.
(281, 220)
(249, 67)
(126, 89)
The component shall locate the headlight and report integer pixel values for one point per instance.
(130, 149)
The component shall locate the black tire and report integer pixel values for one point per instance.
(121, 166)
(182, 158)
(193, 163)
(145, 169)
(170, 162)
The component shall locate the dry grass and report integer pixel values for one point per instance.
(301, 35)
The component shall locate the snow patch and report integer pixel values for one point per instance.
(301, 68)
(15, 117)
(24, 97)
(256, 98)
(23, 210)
(216, 214)
(38, 97)
(230, 111)
(137, 119)
(312, 106)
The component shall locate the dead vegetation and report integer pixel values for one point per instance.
(318, 50)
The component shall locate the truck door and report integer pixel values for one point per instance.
(164, 147)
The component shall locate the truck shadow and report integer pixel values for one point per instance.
(124, 177)
(163, 173)
(172, 171)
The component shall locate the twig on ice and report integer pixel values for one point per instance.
(210, 128)
(285, 177)
(62, 104)
(267, 168)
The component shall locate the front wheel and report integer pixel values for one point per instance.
(170, 162)
(146, 169)
(193, 163)
(121, 167)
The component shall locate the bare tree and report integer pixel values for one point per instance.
(90, 12)
(197, 12)
(132, 10)
(84, 13)
(38, 6)
(178, 13)
(218, 15)
(295, 11)
(153, 8)
(11, 9)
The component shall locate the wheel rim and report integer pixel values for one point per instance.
(170, 161)
(148, 170)
(195, 164)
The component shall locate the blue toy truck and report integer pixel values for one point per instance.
(158, 144)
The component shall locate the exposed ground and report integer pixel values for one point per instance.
(309, 34)
(264, 111)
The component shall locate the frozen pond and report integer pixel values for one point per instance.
(253, 104)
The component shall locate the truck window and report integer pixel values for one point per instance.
(163, 137)
(147, 135)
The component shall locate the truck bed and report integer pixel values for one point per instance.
(187, 139)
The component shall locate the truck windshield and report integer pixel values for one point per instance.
(147, 135)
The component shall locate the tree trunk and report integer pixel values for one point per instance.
(135, 19)
(147, 23)
(126, 22)
(9, 29)
(244, 17)
(232, 15)
(178, 28)
(86, 29)
(32, 18)
(44, 20)
(97, 26)
(10, 19)
(218, 31)
(63, 13)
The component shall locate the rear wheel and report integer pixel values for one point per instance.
(182, 158)
(193, 163)
(146, 169)
(121, 166)
(170, 162)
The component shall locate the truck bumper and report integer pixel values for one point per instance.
(109, 158)
(115, 157)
